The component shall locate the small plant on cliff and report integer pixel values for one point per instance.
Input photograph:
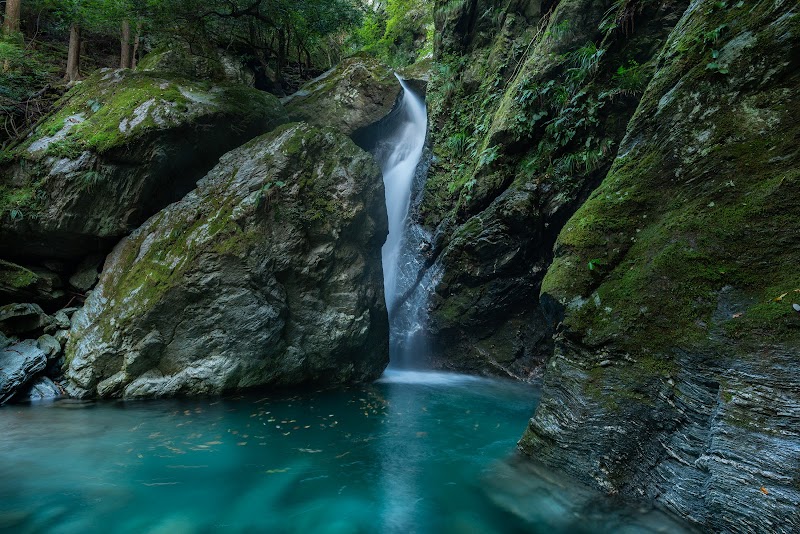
(631, 78)
(459, 144)
(89, 180)
(715, 66)
(265, 195)
(488, 156)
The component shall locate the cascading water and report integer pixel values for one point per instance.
(399, 153)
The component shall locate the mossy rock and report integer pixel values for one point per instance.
(672, 286)
(118, 147)
(268, 273)
(205, 64)
(511, 121)
(356, 93)
(28, 284)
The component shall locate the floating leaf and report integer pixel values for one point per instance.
(764, 490)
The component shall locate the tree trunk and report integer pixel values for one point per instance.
(300, 60)
(125, 46)
(74, 54)
(136, 44)
(11, 22)
(281, 57)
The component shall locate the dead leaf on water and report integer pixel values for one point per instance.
(273, 471)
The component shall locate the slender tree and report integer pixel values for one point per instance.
(136, 41)
(74, 54)
(125, 45)
(11, 22)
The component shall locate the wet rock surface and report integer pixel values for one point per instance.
(675, 372)
(268, 273)
(23, 319)
(120, 146)
(19, 363)
(353, 95)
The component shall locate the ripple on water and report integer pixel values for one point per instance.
(410, 453)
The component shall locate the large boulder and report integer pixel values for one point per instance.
(119, 146)
(675, 375)
(21, 283)
(356, 93)
(268, 273)
(41, 389)
(19, 363)
(23, 319)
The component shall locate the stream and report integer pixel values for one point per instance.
(414, 452)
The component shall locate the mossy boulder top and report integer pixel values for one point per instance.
(118, 147)
(356, 93)
(268, 273)
(206, 64)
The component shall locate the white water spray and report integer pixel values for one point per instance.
(399, 166)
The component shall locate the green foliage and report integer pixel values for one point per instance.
(714, 65)
(460, 143)
(23, 73)
(89, 180)
(488, 156)
(265, 194)
(398, 34)
(620, 16)
(630, 78)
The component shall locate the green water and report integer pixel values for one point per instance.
(416, 452)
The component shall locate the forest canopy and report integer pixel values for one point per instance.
(48, 45)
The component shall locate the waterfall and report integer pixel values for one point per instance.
(399, 153)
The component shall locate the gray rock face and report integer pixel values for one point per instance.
(123, 145)
(43, 389)
(19, 363)
(23, 318)
(23, 284)
(354, 94)
(495, 210)
(87, 273)
(49, 345)
(4, 341)
(268, 273)
(675, 375)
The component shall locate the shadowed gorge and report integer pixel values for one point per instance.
(400, 266)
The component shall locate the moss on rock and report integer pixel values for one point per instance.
(355, 94)
(118, 147)
(272, 264)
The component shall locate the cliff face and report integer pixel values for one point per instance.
(675, 371)
(529, 104)
(644, 156)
